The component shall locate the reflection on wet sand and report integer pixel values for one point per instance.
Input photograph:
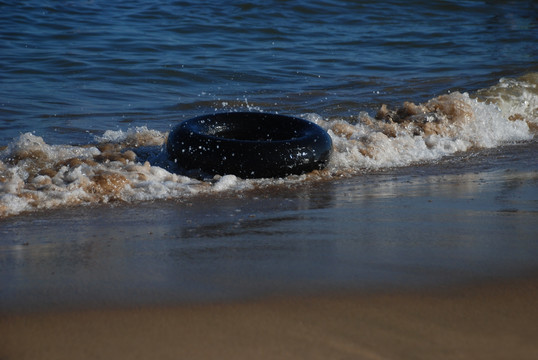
(432, 226)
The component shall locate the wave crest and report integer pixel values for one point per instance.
(132, 165)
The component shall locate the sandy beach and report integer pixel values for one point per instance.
(491, 321)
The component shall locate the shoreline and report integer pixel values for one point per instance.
(428, 262)
(468, 219)
(495, 320)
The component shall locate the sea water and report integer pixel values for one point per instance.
(90, 89)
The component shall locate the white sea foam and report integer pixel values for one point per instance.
(444, 126)
(138, 136)
(515, 98)
(132, 165)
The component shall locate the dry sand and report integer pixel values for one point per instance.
(492, 321)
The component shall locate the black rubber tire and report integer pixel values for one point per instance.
(249, 145)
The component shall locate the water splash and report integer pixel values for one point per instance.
(131, 165)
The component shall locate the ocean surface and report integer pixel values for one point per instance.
(90, 89)
(432, 107)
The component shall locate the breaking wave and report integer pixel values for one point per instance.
(129, 166)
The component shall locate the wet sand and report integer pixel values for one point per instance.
(428, 262)
(493, 321)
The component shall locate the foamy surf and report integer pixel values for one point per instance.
(131, 165)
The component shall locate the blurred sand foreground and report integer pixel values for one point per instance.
(489, 321)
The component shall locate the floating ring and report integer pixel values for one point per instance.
(249, 145)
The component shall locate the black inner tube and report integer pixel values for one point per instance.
(249, 145)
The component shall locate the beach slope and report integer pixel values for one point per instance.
(491, 321)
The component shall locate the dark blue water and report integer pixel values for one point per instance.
(72, 69)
